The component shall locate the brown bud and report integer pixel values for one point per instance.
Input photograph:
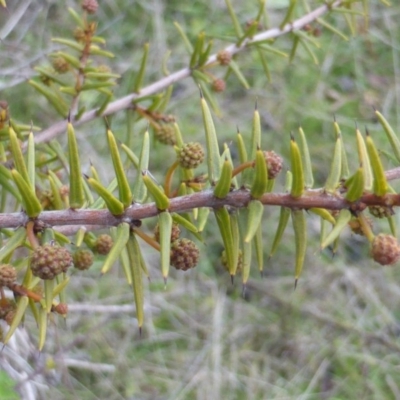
(60, 65)
(175, 232)
(103, 244)
(218, 85)
(184, 254)
(8, 275)
(49, 260)
(6, 305)
(274, 163)
(83, 259)
(90, 6)
(385, 249)
(224, 57)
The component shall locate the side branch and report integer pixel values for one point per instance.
(236, 199)
(125, 102)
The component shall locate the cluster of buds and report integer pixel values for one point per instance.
(218, 85)
(385, 249)
(165, 133)
(83, 259)
(184, 252)
(274, 163)
(175, 232)
(103, 244)
(50, 260)
(224, 57)
(90, 6)
(191, 155)
(8, 275)
(381, 211)
(60, 65)
(7, 310)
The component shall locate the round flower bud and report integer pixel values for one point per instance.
(6, 305)
(274, 163)
(184, 254)
(385, 249)
(175, 232)
(61, 308)
(60, 65)
(8, 275)
(103, 244)
(218, 85)
(79, 34)
(191, 155)
(224, 57)
(381, 211)
(83, 259)
(49, 260)
(90, 6)
(165, 134)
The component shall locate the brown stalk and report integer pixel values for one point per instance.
(237, 199)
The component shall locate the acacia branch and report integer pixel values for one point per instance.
(96, 219)
(126, 102)
(237, 199)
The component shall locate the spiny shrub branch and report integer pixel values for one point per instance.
(63, 205)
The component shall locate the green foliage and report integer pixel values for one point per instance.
(87, 79)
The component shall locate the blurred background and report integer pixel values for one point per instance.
(336, 336)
